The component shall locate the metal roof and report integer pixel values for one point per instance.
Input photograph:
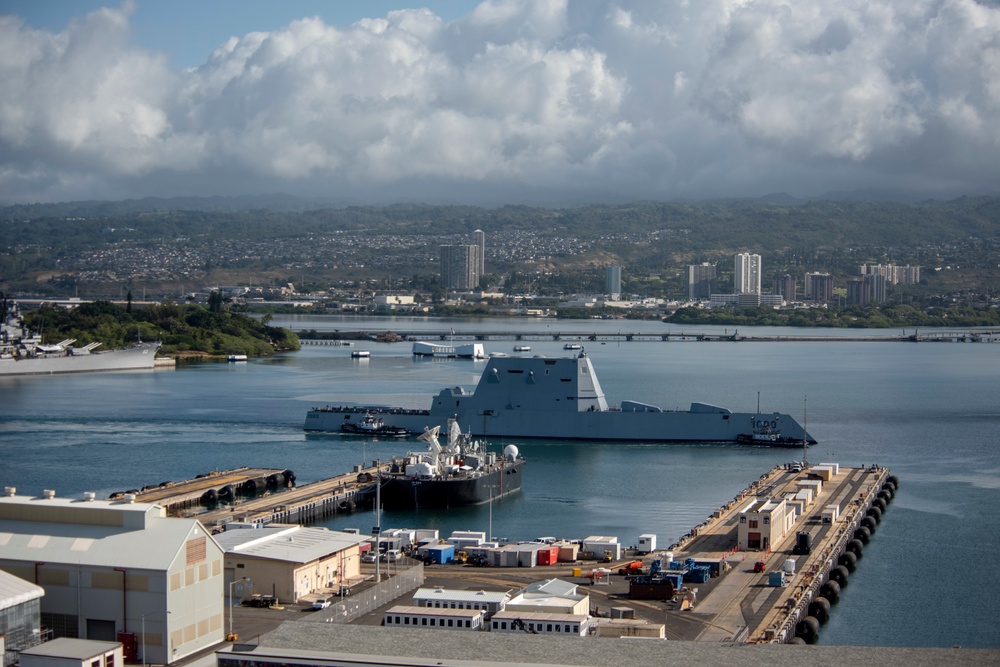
(51, 530)
(15, 591)
(293, 544)
(460, 595)
(76, 649)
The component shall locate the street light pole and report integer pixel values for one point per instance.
(142, 620)
(231, 636)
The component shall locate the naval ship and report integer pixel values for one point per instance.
(462, 472)
(561, 398)
(23, 353)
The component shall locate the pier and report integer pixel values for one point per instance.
(261, 495)
(743, 605)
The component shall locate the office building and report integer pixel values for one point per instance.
(613, 282)
(785, 286)
(480, 237)
(746, 276)
(894, 275)
(866, 291)
(818, 287)
(701, 281)
(460, 267)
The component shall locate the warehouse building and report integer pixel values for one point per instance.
(116, 571)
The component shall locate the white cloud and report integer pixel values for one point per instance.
(638, 99)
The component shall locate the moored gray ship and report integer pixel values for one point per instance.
(561, 398)
(22, 352)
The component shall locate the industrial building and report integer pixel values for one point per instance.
(290, 562)
(763, 523)
(20, 616)
(116, 571)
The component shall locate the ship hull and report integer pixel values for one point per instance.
(562, 399)
(139, 357)
(400, 492)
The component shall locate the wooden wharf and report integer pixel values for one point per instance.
(175, 496)
(274, 503)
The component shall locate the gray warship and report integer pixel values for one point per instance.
(23, 353)
(561, 398)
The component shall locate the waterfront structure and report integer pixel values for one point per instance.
(894, 275)
(868, 290)
(746, 274)
(785, 286)
(460, 267)
(613, 282)
(763, 523)
(112, 569)
(20, 616)
(290, 562)
(700, 280)
(818, 287)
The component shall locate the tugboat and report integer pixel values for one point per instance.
(372, 425)
(766, 435)
(460, 473)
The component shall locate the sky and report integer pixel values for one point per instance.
(541, 102)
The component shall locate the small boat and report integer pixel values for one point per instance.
(372, 425)
(360, 354)
(765, 435)
(522, 348)
(236, 357)
(572, 346)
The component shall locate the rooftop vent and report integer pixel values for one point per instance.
(129, 498)
(49, 494)
(89, 496)
(10, 491)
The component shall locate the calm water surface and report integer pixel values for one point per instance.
(928, 411)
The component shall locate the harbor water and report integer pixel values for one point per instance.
(928, 411)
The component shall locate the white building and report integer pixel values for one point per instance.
(115, 571)
(441, 598)
(763, 523)
(746, 276)
(541, 623)
(550, 596)
(401, 616)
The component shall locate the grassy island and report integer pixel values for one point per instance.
(184, 330)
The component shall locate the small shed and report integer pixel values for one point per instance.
(66, 652)
(438, 553)
(647, 543)
(831, 514)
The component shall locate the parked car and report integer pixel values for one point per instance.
(392, 555)
(368, 557)
(321, 603)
